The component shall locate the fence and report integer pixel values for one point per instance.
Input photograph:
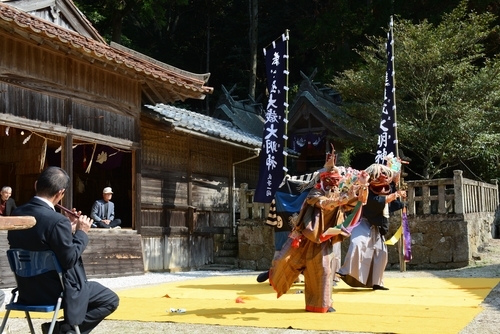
(439, 196)
(458, 195)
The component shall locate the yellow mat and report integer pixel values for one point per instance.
(412, 305)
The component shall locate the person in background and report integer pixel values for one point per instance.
(86, 303)
(366, 258)
(103, 211)
(7, 203)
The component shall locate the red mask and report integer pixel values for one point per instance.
(329, 180)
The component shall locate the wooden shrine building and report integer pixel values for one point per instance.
(69, 99)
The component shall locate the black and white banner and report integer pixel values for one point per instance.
(387, 139)
(272, 154)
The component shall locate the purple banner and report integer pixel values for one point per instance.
(406, 237)
(387, 139)
(271, 155)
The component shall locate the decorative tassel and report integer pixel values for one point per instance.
(91, 159)
(43, 154)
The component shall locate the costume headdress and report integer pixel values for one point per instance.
(328, 166)
(381, 177)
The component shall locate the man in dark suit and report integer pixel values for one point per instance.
(7, 203)
(86, 303)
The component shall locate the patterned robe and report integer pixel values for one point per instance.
(313, 256)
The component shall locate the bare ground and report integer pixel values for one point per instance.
(486, 265)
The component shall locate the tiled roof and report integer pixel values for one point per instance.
(183, 119)
(58, 35)
(244, 114)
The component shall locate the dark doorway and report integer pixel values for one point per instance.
(97, 166)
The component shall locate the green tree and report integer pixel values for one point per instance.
(112, 17)
(447, 93)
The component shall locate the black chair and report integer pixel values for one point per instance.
(25, 263)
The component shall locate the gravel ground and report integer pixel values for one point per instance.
(486, 265)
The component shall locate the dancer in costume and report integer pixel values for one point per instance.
(366, 258)
(319, 224)
(284, 219)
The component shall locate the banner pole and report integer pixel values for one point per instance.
(402, 262)
(287, 34)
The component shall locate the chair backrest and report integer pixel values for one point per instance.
(26, 263)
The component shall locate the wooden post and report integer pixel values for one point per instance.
(17, 222)
(243, 201)
(190, 212)
(457, 185)
(67, 165)
(136, 190)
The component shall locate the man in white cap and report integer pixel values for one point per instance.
(103, 211)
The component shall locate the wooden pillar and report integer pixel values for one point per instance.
(67, 165)
(67, 153)
(243, 201)
(136, 190)
(191, 208)
(457, 185)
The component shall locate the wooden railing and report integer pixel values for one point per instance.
(248, 208)
(439, 196)
(458, 195)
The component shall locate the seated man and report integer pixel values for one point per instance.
(86, 303)
(7, 203)
(103, 211)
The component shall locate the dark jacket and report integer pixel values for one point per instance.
(10, 205)
(52, 231)
(374, 208)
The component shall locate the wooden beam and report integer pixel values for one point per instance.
(56, 129)
(17, 222)
(155, 91)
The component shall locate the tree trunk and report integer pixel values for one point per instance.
(253, 7)
(116, 35)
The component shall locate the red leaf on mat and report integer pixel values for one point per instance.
(239, 300)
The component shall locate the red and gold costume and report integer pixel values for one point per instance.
(309, 248)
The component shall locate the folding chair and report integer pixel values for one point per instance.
(27, 264)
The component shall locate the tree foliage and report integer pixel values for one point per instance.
(447, 92)
(444, 64)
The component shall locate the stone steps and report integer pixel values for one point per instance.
(227, 257)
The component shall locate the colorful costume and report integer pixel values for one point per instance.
(309, 249)
(366, 258)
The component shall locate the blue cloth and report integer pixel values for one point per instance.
(287, 205)
(280, 237)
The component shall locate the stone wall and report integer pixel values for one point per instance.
(255, 245)
(439, 241)
(443, 241)
(450, 220)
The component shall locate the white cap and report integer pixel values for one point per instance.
(107, 190)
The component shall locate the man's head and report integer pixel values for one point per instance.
(6, 193)
(51, 182)
(107, 193)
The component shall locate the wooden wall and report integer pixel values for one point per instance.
(33, 67)
(185, 198)
(53, 94)
(36, 106)
(41, 85)
(21, 160)
(108, 254)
